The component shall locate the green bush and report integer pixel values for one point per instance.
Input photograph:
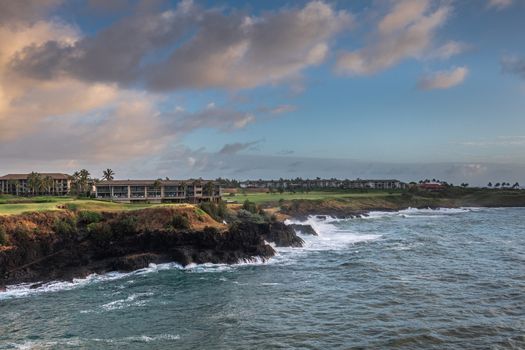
(126, 226)
(21, 235)
(4, 240)
(89, 217)
(218, 211)
(100, 231)
(71, 206)
(180, 222)
(250, 206)
(65, 227)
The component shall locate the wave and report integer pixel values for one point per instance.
(76, 342)
(420, 213)
(25, 290)
(332, 234)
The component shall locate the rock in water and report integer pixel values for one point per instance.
(304, 229)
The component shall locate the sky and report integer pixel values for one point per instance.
(406, 89)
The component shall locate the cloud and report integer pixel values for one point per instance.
(213, 117)
(25, 10)
(407, 31)
(280, 109)
(206, 48)
(234, 148)
(184, 162)
(499, 4)
(513, 65)
(504, 141)
(451, 48)
(443, 79)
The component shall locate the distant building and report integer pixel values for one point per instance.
(432, 186)
(18, 184)
(171, 191)
(388, 184)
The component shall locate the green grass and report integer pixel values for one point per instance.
(13, 205)
(262, 198)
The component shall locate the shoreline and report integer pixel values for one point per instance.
(62, 245)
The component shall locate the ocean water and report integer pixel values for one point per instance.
(415, 279)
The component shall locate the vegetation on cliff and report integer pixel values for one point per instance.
(65, 244)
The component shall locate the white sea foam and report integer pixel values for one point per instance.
(420, 213)
(330, 235)
(25, 290)
(76, 342)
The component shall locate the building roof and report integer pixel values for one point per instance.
(148, 182)
(54, 176)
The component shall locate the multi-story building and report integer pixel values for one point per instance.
(318, 183)
(174, 191)
(50, 184)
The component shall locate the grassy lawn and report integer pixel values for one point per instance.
(261, 198)
(13, 205)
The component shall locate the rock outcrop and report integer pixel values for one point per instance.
(121, 243)
(304, 229)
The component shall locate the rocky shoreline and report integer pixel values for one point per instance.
(52, 255)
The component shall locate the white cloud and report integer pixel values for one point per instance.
(443, 79)
(499, 4)
(407, 31)
(209, 48)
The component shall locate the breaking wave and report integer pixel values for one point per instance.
(415, 212)
(332, 233)
(25, 289)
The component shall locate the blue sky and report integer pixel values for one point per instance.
(406, 89)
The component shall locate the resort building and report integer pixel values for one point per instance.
(47, 184)
(157, 191)
(301, 184)
(388, 184)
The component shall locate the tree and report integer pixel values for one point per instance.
(489, 184)
(208, 189)
(47, 184)
(34, 182)
(108, 175)
(497, 184)
(81, 181)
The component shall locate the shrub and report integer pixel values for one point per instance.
(126, 225)
(21, 235)
(4, 240)
(88, 217)
(65, 227)
(218, 211)
(249, 206)
(180, 222)
(210, 208)
(71, 206)
(100, 231)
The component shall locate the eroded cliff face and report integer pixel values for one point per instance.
(65, 245)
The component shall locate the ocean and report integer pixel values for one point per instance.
(413, 279)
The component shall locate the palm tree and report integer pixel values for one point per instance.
(208, 189)
(34, 182)
(108, 175)
(83, 179)
(47, 184)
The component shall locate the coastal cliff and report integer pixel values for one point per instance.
(360, 206)
(40, 247)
